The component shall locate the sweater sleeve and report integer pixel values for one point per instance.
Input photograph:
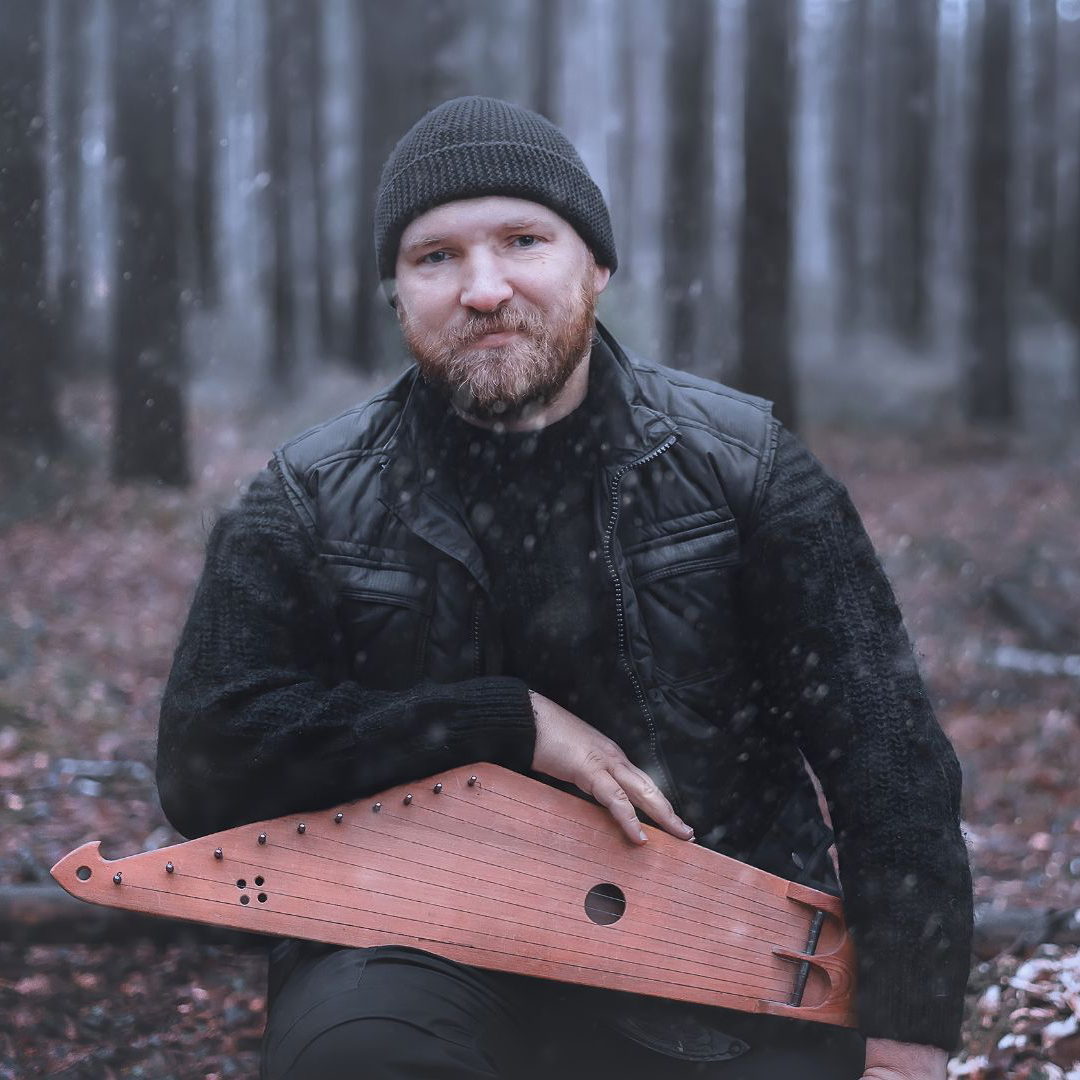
(840, 671)
(256, 720)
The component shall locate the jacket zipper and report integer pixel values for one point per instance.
(620, 613)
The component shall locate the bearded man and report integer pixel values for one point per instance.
(539, 550)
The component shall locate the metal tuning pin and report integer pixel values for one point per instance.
(117, 878)
(169, 868)
(218, 853)
(438, 789)
(407, 800)
(262, 838)
(301, 828)
(472, 781)
(376, 808)
(339, 817)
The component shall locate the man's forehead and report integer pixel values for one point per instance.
(485, 212)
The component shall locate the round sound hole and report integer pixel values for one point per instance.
(83, 873)
(605, 904)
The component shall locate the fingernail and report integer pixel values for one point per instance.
(641, 836)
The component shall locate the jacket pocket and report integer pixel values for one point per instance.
(682, 581)
(383, 610)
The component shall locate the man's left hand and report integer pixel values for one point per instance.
(887, 1059)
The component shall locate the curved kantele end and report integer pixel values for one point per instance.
(78, 870)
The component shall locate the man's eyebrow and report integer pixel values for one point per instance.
(426, 241)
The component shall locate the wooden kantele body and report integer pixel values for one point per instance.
(490, 868)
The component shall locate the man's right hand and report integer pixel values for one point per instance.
(569, 749)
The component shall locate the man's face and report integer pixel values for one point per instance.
(496, 297)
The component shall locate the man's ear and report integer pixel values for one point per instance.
(601, 276)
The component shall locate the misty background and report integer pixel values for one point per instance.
(865, 210)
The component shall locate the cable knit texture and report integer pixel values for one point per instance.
(828, 636)
(473, 146)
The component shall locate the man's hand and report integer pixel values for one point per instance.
(890, 1060)
(569, 749)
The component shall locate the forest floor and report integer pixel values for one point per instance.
(979, 535)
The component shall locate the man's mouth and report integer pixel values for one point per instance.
(495, 337)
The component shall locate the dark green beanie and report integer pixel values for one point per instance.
(474, 146)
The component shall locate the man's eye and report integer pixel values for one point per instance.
(526, 241)
(434, 257)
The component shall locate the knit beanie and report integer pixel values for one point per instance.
(472, 146)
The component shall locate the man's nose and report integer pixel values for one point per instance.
(486, 286)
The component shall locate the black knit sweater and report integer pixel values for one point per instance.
(255, 724)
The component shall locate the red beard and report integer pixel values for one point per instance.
(501, 382)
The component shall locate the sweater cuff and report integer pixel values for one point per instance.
(909, 1005)
(497, 725)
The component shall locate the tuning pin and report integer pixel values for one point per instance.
(339, 817)
(218, 854)
(472, 781)
(169, 868)
(301, 828)
(117, 878)
(438, 789)
(407, 800)
(262, 838)
(376, 808)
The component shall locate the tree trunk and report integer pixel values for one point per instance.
(149, 439)
(315, 79)
(283, 72)
(989, 390)
(28, 419)
(689, 225)
(766, 239)
(907, 157)
(1043, 117)
(72, 98)
(847, 156)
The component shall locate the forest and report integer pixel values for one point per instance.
(866, 211)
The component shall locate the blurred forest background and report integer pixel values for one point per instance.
(865, 210)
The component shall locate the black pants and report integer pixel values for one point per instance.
(392, 1013)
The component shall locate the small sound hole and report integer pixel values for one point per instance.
(605, 904)
(83, 873)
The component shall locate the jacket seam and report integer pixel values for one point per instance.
(764, 474)
(294, 494)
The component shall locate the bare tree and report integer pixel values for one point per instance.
(283, 72)
(1043, 116)
(906, 146)
(766, 240)
(28, 418)
(689, 226)
(989, 389)
(846, 153)
(149, 439)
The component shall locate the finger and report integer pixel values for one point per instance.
(645, 795)
(609, 793)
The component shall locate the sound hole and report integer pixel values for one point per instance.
(83, 873)
(605, 904)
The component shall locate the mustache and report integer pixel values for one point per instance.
(504, 320)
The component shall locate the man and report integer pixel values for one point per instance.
(538, 550)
